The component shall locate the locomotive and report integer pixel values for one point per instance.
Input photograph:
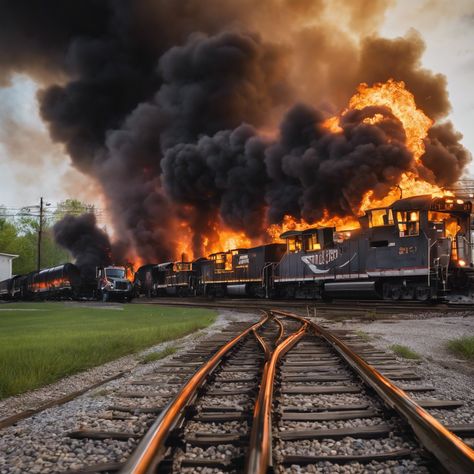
(67, 281)
(417, 248)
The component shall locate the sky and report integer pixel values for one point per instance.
(447, 29)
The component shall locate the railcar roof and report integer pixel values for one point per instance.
(311, 230)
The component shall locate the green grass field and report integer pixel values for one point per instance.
(43, 342)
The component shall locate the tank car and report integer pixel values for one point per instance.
(53, 283)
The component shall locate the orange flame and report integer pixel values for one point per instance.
(401, 102)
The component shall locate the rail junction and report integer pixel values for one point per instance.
(282, 394)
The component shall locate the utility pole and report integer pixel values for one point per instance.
(40, 233)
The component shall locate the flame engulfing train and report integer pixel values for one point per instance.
(417, 248)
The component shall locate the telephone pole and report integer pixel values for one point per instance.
(40, 233)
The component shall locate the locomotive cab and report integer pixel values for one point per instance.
(428, 239)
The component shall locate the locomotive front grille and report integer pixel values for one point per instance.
(121, 285)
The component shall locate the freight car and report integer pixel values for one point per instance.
(11, 289)
(168, 279)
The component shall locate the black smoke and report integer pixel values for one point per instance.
(89, 245)
(165, 104)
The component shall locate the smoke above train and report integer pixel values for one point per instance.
(213, 124)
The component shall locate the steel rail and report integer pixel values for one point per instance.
(352, 306)
(259, 457)
(151, 449)
(453, 454)
(262, 342)
(281, 331)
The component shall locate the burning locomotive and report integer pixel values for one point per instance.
(417, 248)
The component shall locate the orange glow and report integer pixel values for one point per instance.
(227, 240)
(332, 124)
(289, 223)
(401, 102)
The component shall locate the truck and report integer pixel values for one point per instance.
(113, 284)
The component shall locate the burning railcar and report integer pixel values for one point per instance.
(417, 248)
(241, 272)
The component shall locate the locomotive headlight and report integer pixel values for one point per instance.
(462, 263)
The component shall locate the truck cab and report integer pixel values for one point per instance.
(113, 284)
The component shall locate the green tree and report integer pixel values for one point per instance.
(20, 236)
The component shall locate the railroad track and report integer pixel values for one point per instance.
(349, 306)
(282, 394)
(311, 370)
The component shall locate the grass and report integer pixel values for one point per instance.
(463, 347)
(404, 351)
(43, 342)
(363, 335)
(153, 356)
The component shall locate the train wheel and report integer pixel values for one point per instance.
(422, 293)
(395, 293)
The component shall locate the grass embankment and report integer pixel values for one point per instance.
(43, 342)
(405, 352)
(463, 347)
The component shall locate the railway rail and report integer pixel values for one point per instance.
(280, 394)
(406, 418)
(350, 306)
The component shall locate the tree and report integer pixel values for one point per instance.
(20, 236)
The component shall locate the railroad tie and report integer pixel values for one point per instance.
(339, 459)
(330, 416)
(318, 390)
(362, 432)
(100, 435)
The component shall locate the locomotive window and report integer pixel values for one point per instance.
(182, 267)
(228, 261)
(408, 223)
(339, 237)
(295, 244)
(380, 217)
(311, 242)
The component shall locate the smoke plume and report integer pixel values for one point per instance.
(172, 107)
(89, 245)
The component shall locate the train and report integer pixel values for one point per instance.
(68, 281)
(418, 248)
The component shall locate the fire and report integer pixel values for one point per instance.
(401, 102)
(289, 223)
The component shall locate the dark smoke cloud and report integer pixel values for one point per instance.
(89, 245)
(311, 169)
(151, 98)
(307, 170)
(445, 157)
(400, 59)
(225, 172)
